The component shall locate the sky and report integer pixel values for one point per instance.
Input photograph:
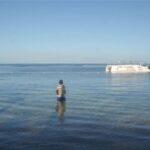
(74, 31)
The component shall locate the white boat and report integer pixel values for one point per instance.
(127, 68)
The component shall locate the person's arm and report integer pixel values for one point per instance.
(64, 90)
(56, 91)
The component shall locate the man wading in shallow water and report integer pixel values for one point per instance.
(60, 92)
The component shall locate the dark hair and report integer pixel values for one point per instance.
(60, 81)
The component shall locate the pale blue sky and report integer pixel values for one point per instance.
(74, 32)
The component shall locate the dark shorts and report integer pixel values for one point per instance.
(61, 99)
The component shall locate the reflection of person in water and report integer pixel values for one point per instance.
(60, 112)
(61, 100)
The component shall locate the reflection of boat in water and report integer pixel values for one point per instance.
(127, 68)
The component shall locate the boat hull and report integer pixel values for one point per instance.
(127, 69)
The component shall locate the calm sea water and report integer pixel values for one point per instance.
(103, 111)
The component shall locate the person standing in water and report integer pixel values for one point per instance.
(61, 97)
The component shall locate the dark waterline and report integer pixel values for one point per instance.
(103, 111)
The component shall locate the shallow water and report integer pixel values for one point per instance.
(103, 111)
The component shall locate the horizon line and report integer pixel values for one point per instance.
(109, 62)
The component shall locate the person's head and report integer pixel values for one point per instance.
(60, 82)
